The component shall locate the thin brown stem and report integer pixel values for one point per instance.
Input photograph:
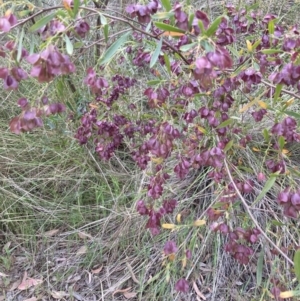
(247, 208)
(110, 17)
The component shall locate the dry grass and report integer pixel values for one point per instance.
(70, 220)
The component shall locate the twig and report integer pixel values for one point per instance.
(110, 17)
(253, 218)
(283, 90)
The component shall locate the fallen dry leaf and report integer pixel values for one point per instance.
(97, 271)
(195, 287)
(59, 294)
(73, 279)
(121, 291)
(31, 299)
(128, 295)
(84, 235)
(28, 282)
(51, 233)
(14, 285)
(81, 251)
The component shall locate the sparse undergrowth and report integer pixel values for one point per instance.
(189, 118)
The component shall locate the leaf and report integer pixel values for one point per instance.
(277, 91)
(153, 82)
(188, 47)
(97, 270)
(75, 8)
(269, 184)
(289, 294)
(262, 104)
(112, 50)
(167, 27)
(200, 295)
(156, 53)
(167, 62)
(20, 45)
(228, 146)
(163, 15)
(248, 105)
(249, 45)
(297, 264)
(105, 31)
(201, 26)
(172, 34)
(271, 51)
(166, 4)
(259, 269)
(281, 142)
(225, 123)
(178, 218)
(81, 250)
(84, 235)
(294, 114)
(122, 291)
(41, 22)
(128, 295)
(28, 282)
(168, 226)
(51, 233)
(214, 26)
(59, 294)
(271, 26)
(103, 19)
(69, 45)
(255, 45)
(199, 222)
(266, 135)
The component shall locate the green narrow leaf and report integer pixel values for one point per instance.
(269, 184)
(256, 44)
(266, 135)
(112, 50)
(214, 26)
(166, 4)
(281, 142)
(41, 22)
(69, 45)
(75, 8)
(188, 47)
(153, 82)
(277, 91)
(163, 15)
(191, 19)
(167, 27)
(225, 123)
(103, 19)
(271, 51)
(271, 26)
(156, 53)
(259, 270)
(228, 146)
(297, 264)
(168, 64)
(291, 113)
(20, 45)
(207, 46)
(105, 31)
(201, 26)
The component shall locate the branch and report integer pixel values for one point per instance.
(283, 90)
(110, 17)
(253, 218)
